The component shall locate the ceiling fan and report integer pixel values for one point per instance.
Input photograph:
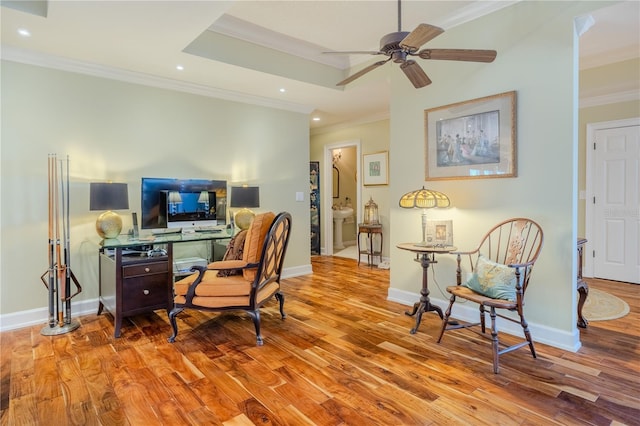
(401, 46)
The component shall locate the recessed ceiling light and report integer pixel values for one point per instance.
(24, 32)
(316, 118)
(283, 90)
(179, 67)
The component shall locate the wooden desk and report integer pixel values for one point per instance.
(133, 284)
(425, 255)
(370, 251)
(582, 286)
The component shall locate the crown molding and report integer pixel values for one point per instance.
(610, 98)
(64, 64)
(474, 11)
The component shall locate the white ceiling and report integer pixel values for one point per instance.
(143, 41)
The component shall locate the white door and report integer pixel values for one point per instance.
(616, 202)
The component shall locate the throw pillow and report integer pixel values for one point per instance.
(234, 252)
(493, 280)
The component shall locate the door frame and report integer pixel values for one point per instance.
(326, 191)
(589, 215)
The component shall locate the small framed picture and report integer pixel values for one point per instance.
(375, 168)
(440, 233)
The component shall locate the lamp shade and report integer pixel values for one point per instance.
(424, 199)
(174, 197)
(108, 196)
(203, 197)
(245, 196)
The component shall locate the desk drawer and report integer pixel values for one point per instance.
(145, 269)
(145, 292)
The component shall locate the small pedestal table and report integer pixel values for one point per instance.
(425, 255)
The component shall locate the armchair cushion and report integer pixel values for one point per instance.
(213, 286)
(493, 280)
(254, 241)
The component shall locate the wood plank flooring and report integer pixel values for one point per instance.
(343, 356)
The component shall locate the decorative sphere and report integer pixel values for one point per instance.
(243, 218)
(109, 224)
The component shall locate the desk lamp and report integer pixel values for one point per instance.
(424, 199)
(244, 197)
(108, 196)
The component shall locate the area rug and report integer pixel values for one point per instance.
(602, 306)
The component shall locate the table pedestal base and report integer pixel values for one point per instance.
(424, 305)
(421, 307)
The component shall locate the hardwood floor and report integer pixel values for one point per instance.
(343, 356)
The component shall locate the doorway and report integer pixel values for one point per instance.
(328, 187)
(612, 208)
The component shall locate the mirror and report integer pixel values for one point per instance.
(336, 182)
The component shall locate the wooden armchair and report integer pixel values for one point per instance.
(501, 267)
(265, 245)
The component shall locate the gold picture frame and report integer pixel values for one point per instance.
(375, 168)
(472, 139)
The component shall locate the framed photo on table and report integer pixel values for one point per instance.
(472, 139)
(440, 233)
(375, 168)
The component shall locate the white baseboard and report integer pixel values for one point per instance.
(469, 313)
(37, 316)
(297, 271)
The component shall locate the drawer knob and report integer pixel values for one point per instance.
(146, 292)
(147, 269)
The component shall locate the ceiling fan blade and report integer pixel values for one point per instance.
(422, 34)
(362, 72)
(354, 52)
(415, 74)
(472, 55)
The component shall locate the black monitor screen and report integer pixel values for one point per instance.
(182, 202)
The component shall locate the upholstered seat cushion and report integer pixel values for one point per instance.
(213, 286)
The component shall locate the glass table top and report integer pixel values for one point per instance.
(178, 237)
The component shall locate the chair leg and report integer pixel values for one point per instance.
(255, 316)
(174, 324)
(495, 344)
(280, 298)
(482, 319)
(445, 320)
(527, 335)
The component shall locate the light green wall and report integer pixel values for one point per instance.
(118, 131)
(546, 186)
(373, 137)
